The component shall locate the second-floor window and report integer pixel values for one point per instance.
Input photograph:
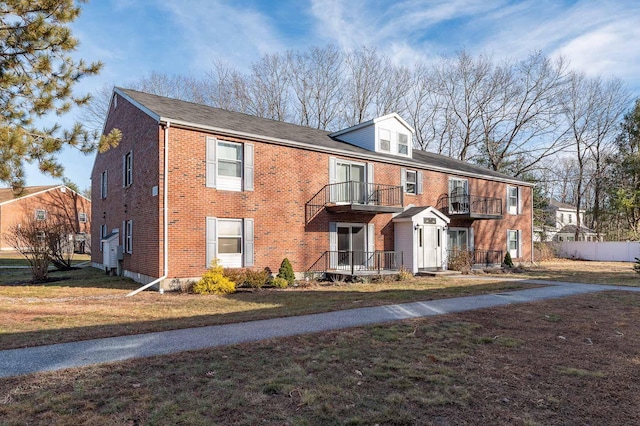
(82, 218)
(127, 169)
(41, 214)
(513, 200)
(103, 185)
(411, 181)
(229, 165)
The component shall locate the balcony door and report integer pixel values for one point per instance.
(458, 196)
(351, 179)
(352, 245)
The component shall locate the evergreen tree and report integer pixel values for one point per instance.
(624, 180)
(286, 271)
(37, 75)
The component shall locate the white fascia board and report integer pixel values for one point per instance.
(397, 117)
(315, 148)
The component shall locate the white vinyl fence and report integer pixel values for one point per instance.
(610, 251)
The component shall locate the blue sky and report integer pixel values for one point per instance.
(136, 37)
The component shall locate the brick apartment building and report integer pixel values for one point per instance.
(44, 203)
(190, 183)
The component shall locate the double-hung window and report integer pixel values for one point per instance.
(103, 233)
(127, 169)
(514, 243)
(403, 144)
(82, 217)
(41, 214)
(513, 200)
(385, 140)
(411, 181)
(229, 165)
(128, 236)
(230, 241)
(103, 185)
(229, 159)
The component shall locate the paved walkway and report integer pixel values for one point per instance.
(78, 354)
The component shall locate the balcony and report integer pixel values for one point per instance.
(352, 196)
(466, 206)
(349, 264)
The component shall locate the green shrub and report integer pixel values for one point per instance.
(460, 260)
(508, 262)
(256, 279)
(286, 271)
(278, 282)
(214, 282)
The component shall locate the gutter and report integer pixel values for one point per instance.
(165, 213)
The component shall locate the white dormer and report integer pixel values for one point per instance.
(389, 134)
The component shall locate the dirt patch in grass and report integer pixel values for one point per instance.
(566, 361)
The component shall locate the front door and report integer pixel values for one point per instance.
(351, 245)
(429, 246)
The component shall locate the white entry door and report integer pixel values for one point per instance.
(429, 246)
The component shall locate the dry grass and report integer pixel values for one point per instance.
(508, 365)
(612, 273)
(88, 304)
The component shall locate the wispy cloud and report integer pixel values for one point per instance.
(222, 30)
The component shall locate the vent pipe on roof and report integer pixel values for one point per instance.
(165, 215)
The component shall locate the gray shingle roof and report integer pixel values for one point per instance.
(410, 212)
(206, 116)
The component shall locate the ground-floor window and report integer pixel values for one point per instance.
(514, 243)
(458, 238)
(229, 240)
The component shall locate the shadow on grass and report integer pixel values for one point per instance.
(245, 306)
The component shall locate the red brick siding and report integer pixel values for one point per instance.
(65, 204)
(142, 135)
(285, 179)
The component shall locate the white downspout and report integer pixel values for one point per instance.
(165, 214)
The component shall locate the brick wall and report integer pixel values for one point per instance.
(57, 202)
(141, 135)
(285, 179)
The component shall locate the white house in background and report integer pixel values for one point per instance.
(563, 221)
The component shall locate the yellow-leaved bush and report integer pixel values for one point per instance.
(214, 282)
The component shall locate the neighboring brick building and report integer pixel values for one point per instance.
(251, 191)
(43, 203)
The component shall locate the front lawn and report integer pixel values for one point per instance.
(566, 361)
(86, 304)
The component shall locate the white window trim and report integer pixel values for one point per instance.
(458, 229)
(245, 182)
(128, 236)
(518, 234)
(82, 217)
(127, 169)
(403, 144)
(517, 209)
(381, 138)
(39, 212)
(103, 185)
(245, 258)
